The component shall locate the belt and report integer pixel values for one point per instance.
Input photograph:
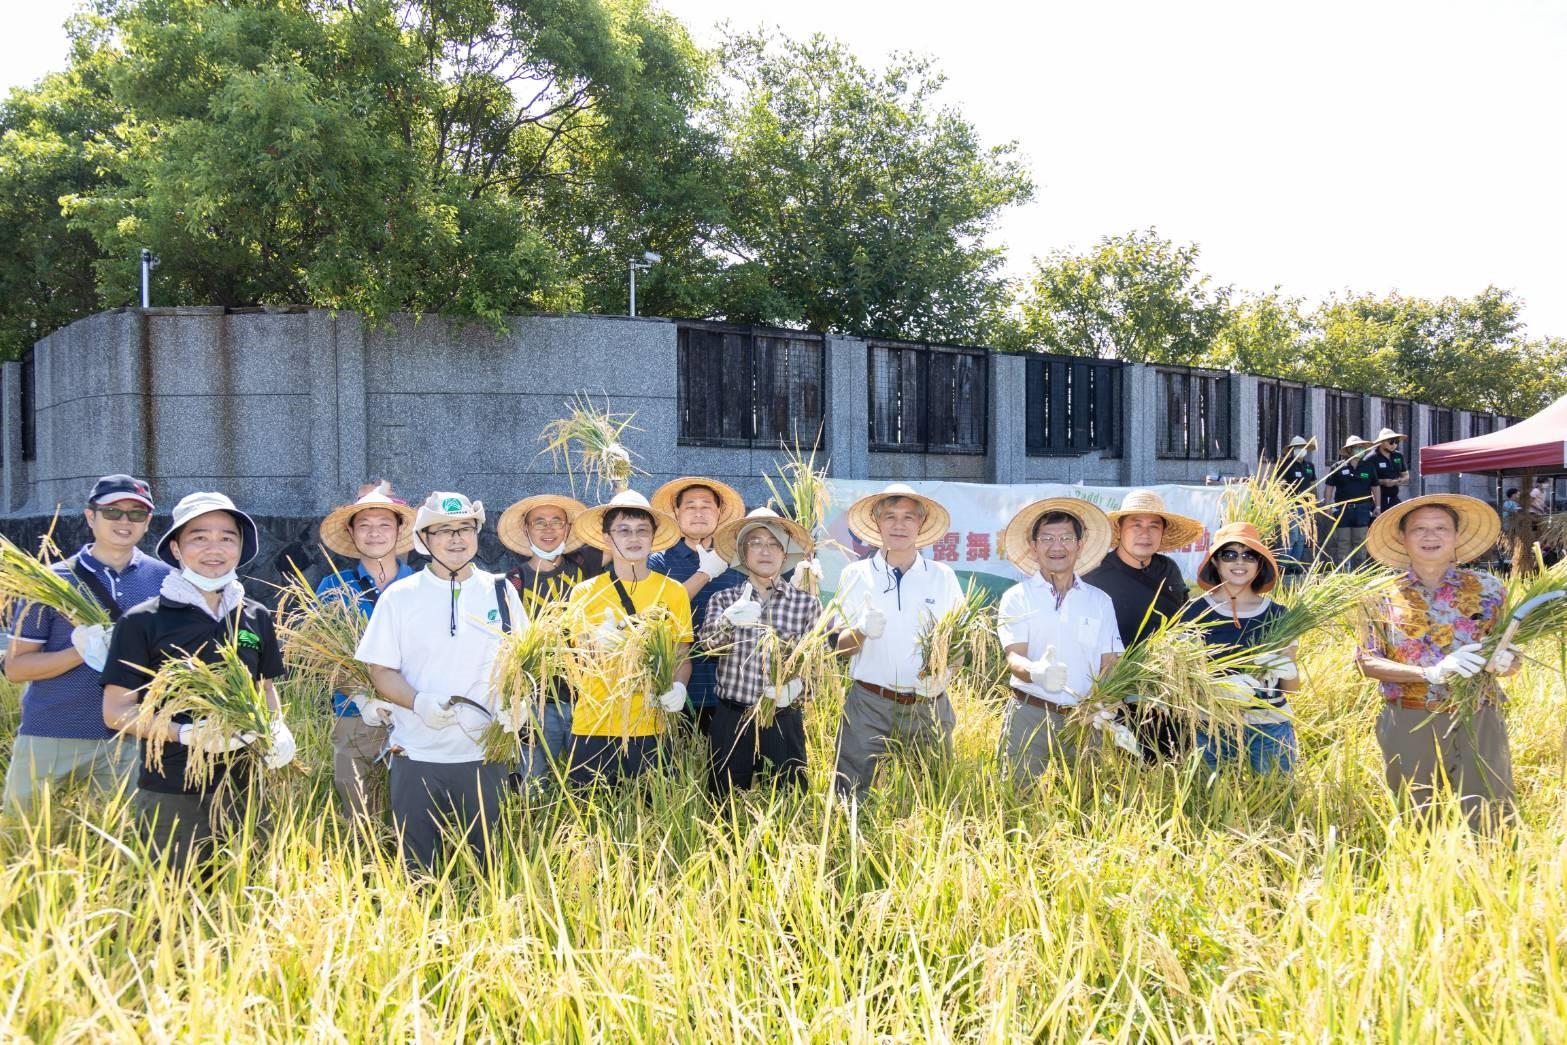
(1040, 702)
(897, 696)
(1421, 704)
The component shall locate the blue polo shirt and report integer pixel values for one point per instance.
(679, 564)
(70, 706)
(356, 584)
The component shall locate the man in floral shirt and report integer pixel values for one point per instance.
(1441, 721)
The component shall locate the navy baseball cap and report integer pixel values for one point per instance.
(113, 488)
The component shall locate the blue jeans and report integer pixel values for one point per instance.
(546, 755)
(1295, 551)
(1270, 747)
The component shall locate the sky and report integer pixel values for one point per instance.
(1316, 147)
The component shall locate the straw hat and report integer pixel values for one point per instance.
(512, 528)
(1386, 434)
(1354, 441)
(337, 528)
(1093, 546)
(588, 527)
(797, 543)
(1245, 534)
(1299, 440)
(1478, 527)
(1179, 530)
(731, 505)
(862, 520)
(195, 504)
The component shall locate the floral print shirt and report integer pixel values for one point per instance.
(1418, 626)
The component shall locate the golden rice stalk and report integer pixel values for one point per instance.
(320, 635)
(221, 691)
(1541, 596)
(594, 435)
(799, 493)
(949, 641)
(27, 580)
(638, 668)
(529, 665)
(1269, 503)
(1323, 596)
(809, 658)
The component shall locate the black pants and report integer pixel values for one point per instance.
(738, 742)
(609, 760)
(429, 796)
(701, 718)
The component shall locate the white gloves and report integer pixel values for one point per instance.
(434, 710)
(376, 712)
(743, 613)
(92, 644)
(806, 573)
(609, 632)
(1119, 732)
(509, 718)
(1278, 668)
(926, 689)
(783, 696)
(280, 752)
(1048, 673)
(1502, 661)
(674, 699)
(1241, 687)
(871, 623)
(710, 563)
(1464, 662)
(208, 737)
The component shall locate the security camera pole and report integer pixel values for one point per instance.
(149, 261)
(648, 260)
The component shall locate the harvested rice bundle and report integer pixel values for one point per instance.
(319, 635)
(221, 693)
(29, 580)
(529, 665)
(595, 436)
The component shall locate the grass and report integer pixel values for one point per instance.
(1133, 904)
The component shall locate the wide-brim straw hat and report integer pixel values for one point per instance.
(1179, 530)
(1386, 434)
(1091, 548)
(1299, 440)
(1355, 441)
(862, 516)
(337, 529)
(797, 543)
(1478, 528)
(1246, 535)
(731, 505)
(588, 527)
(512, 529)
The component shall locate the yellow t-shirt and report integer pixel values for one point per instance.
(596, 714)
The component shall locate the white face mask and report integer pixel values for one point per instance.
(206, 583)
(540, 553)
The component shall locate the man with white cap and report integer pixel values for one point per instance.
(887, 601)
(1392, 472)
(739, 621)
(376, 529)
(62, 739)
(196, 611)
(430, 647)
(1353, 481)
(1059, 633)
(1298, 473)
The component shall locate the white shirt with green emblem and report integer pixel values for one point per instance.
(411, 632)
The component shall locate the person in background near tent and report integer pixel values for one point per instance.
(1353, 482)
(1392, 473)
(1298, 473)
(62, 739)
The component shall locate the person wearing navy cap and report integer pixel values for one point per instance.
(62, 739)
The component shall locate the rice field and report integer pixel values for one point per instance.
(1124, 904)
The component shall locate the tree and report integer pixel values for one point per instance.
(1265, 334)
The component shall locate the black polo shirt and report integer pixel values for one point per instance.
(534, 585)
(1389, 466)
(1132, 591)
(158, 631)
(1300, 475)
(1353, 483)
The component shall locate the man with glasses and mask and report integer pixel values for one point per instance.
(62, 738)
(430, 647)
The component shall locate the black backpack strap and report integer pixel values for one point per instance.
(99, 591)
(501, 605)
(625, 598)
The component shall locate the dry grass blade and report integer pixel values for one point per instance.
(799, 493)
(320, 635)
(529, 665)
(27, 580)
(221, 691)
(1271, 504)
(587, 441)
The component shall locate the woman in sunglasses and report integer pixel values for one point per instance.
(1238, 573)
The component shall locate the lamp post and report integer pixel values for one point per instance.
(149, 261)
(647, 261)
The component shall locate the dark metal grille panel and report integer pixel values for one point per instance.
(1399, 415)
(1483, 424)
(1072, 406)
(1346, 417)
(29, 405)
(1194, 413)
(1281, 416)
(926, 399)
(745, 388)
(1442, 425)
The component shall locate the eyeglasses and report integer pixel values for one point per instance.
(1050, 540)
(116, 514)
(763, 542)
(454, 533)
(625, 532)
(1239, 554)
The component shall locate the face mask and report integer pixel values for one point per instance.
(206, 583)
(540, 553)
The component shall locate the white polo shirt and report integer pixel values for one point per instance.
(410, 632)
(926, 591)
(1082, 629)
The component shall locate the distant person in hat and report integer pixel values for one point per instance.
(1353, 481)
(766, 548)
(197, 610)
(1298, 472)
(1425, 637)
(1059, 632)
(431, 646)
(374, 532)
(699, 506)
(1237, 575)
(62, 739)
(886, 602)
(1147, 588)
(1391, 471)
(615, 733)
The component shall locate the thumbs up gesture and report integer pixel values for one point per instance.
(1048, 673)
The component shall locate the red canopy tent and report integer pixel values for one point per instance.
(1535, 444)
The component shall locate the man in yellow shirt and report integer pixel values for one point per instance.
(615, 734)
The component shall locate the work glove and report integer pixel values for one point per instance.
(783, 696)
(91, 642)
(743, 613)
(1278, 667)
(710, 563)
(1119, 732)
(1048, 673)
(871, 623)
(509, 717)
(1242, 688)
(808, 572)
(434, 710)
(375, 712)
(674, 699)
(1464, 662)
(610, 631)
(927, 689)
(208, 737)
(280, 752)
(1502, 661)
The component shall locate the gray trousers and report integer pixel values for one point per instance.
(427, 797)
(1424, 751)
(190, 827)
(1031, 736)
(106, 767)
(872, 725)
(1342, 547)
(359, 779)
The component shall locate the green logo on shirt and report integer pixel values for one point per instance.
(248, 639)
(451, 504)
(493, 616)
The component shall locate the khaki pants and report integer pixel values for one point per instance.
(106, 767)
(360, 781)
(1031, 736)
(871, 724)
(1346, 539)
(1425, 751)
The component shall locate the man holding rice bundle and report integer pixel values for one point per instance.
(430, 646)
(766, 547)
(377, 530)
(1426, 637)
(198, 609)
(887, 600)
(1058, 632)
(615, 727)
(62, 738)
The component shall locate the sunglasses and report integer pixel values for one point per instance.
(116, 514)
(1239, 555)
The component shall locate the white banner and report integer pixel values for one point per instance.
(980, 513)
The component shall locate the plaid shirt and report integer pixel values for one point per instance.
(743, 668)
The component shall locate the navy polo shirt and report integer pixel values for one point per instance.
(1389, 466)
(71, 705)
(1352, 490)
(679, 564)
(1299, 476)
(358, 585)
